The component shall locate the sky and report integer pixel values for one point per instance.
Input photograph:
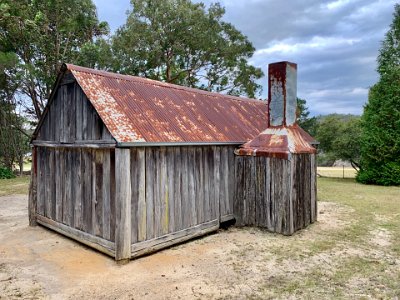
(335, 43)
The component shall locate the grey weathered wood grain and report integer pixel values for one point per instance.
(123, 204)
(171, 177)
(106, 195)
(149, 193)
(178, 196)
(142, 206)
(32, 204)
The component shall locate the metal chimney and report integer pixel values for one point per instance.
(282, 94)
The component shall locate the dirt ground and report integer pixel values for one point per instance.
(238, 263)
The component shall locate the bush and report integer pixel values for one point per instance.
(6, 173)
(387, 174)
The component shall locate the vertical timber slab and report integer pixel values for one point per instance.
(217, 178)
(141, 213)
(269, 205)
(192, 192)
(122, 205)
(33, 190)
(185, 189)
(135, 194)
(106, 195)
(238, 200)
(170, 152)
(77, 185)
(164, 199)
(206, 174)
(149, 193)
(313, 189)
(177, 188)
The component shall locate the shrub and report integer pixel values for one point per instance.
(6, 173)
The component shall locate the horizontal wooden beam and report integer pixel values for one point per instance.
(88, 144)
(95, 242)
(146, 247)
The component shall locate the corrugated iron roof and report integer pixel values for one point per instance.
(138, 110)
(278, 142)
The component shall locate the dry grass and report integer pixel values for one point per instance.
(353, 251)
(336, 172)
(15, 186)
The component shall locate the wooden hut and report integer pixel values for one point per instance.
(129, 165)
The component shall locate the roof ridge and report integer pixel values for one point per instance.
(143, 80)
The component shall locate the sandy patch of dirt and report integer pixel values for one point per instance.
(231, 264)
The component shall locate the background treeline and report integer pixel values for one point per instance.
(184, 43)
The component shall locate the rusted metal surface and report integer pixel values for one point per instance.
(282, 93)
(142, 110)
(278, 142)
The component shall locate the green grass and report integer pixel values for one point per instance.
(18, 185)
(342, 262)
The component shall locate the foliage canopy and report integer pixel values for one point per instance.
(380, 143)
(181, 42)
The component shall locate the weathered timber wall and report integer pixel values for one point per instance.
(76, 187)
(276, 194)
(71, 117)
(178, 188)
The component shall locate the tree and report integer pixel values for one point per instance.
(304, 120)
(339, 137)
(380, 142)
(181, 42)
(43, 34)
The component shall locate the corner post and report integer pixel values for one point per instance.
(32, 202)
(122, 206)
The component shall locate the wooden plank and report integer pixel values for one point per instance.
(178, 189)
(260, 192)
(307, 188)
(85, 115)
(59, 184)
(171, 178)
(106, 195)
(164, 199)
(78, 144)
(82, 237)
(32, 204)
(168, 240)
(149, 193)
(78, 112)
(206, 185)
(134, 194)
(313, 188)
(157, 192)
(269, 209)
(192, 210)
(49, 178)
(78, 187)
(217, 155)
(222, 189)
(87, 191)
(199, 184)
(62, 109)
(123, 204)
(98, 203)
(231, 171)
(238, 205)
(41, 181)
(71, 112)
(142, 206)
(112, 195)
(186, 213)
(67, 199)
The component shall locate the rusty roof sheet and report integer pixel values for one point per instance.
(279, 142)
(136, 109)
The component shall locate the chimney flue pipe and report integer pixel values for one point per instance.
(282, 94)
